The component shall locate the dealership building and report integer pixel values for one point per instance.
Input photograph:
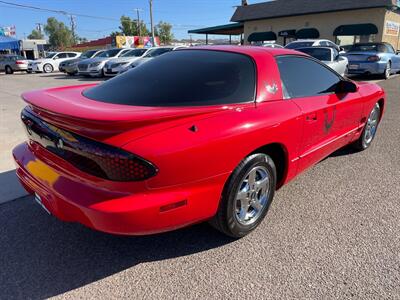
(342, 21)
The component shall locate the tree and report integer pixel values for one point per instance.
(130, 27)
(164, 32)
(35, 35)
(60, 36)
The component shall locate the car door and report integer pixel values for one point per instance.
(2, 59)
(329, 120)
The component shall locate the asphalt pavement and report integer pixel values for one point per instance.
(333, 233)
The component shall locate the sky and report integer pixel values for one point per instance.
(182, 14)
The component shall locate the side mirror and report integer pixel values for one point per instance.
(341, 49)
(398, 52)
(345, 87)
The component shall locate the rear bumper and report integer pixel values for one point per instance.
(366, 67)
(75, 199)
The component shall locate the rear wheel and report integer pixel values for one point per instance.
(247, 196)
(9, 70)
(388, 71)
(48, 68)
(369, 131)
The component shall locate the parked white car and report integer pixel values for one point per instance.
(51, 62)
(115, 65)
(312, 43)
(149, 55)
(328, 56)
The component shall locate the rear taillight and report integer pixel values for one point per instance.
(374, 58)
(95, 158)
(20, 62)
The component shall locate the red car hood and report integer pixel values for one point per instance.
(67, 108)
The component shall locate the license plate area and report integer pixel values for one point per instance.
(353, 67)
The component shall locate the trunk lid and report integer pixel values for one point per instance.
(67, 108)
(359, 56)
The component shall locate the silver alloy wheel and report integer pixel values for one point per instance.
(388, 70)
(372, 124)
(251, 198)
(47, 68)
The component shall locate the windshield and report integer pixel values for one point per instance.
(200, 77)
(296, 45)
(318, 53)
(157, 52)
(88, 54)
(368, 48)
(50, 55)
(134, 53)
(110, 53)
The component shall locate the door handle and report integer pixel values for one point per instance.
(311, 117)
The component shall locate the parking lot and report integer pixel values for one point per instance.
(333, 233)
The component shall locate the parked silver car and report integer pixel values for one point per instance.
(11, 63)
(152, 53)
(115, 65)
(328, 56)
(71, 66)
(94, 66)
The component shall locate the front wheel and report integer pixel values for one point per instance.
(48, 68)
(9, 70)
(247, 196)
(369, 131)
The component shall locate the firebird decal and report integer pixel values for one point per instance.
(328, 123)
(272, 89)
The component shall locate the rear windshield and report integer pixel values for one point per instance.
(296, 45)
(157, 52)
(182, 78)
(368, 47)
(319, 53)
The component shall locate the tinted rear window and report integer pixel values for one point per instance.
(296, 45)
(182, 78)
(319, 53)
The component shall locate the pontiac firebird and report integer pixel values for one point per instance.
(199, 134)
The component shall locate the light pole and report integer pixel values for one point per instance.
(151, 22)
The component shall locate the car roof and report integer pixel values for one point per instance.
(247, 50)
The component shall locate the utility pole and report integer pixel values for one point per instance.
(138, 21)
(39, 27)
(73, 27)
(151, 23)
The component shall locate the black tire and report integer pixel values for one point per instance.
(363, 141)
(28, 71)
(226, 220)
(49, 70)
(387, 72)
(71, 74)
(9, 70)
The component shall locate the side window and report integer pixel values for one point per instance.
(61, 55)
(303, 77)
(71, 54)
(324, 44)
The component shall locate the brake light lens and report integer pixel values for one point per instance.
(374, 58)
(92, 157)
(20, 62)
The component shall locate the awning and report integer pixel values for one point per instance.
(307, 33)
(356, 29)
(8, 43)
(228, 29)
(262, 36)
(287, 33)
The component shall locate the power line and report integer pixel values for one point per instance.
(63, 12)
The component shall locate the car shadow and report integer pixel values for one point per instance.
(43, 257)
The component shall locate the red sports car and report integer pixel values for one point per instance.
(197, 134)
